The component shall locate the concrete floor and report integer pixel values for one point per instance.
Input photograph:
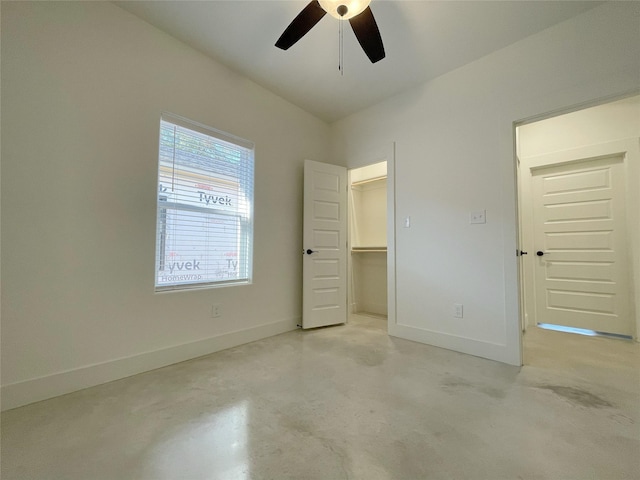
(346, 402)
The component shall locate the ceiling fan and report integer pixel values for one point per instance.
(356, 11)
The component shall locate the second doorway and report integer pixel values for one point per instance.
(368, 240)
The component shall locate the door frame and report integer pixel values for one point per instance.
(382, 154)
(630, 150)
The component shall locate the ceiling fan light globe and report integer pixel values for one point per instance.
(354, 7)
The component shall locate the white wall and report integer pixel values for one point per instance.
(83, 86)
(614, 126)
(370, 282)
(617, 120)
(369, 214)
(455, 154)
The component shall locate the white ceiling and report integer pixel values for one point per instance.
(422, 39)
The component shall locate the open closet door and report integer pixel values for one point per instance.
(324, 284)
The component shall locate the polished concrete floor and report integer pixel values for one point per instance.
(346, 402)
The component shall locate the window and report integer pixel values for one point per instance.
(204, 229)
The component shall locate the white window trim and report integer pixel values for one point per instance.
(246, 219)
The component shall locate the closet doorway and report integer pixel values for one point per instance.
(368, 278)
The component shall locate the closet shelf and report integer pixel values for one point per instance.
(368, 249)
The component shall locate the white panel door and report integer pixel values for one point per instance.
(581, 268)
(324, 290)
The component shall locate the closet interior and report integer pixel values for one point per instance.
(368, 239)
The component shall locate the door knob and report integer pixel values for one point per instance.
(540, 253)
(522, 252)
(309, 251)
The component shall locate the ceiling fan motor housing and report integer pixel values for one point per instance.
(344, 9)
(356, 11)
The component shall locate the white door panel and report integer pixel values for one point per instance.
(324, 291)
(581, 276)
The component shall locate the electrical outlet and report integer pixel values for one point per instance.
(478, 217)
(457, 310)
(216, 311)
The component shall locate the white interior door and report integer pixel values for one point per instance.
(324, 289)
(581, 264)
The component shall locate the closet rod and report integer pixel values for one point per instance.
(369, 180)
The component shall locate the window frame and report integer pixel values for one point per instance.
(165, 207)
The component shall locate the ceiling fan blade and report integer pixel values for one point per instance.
(298, 28)
(367, 33)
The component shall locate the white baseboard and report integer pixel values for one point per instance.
(376, 308)
(477, 348)
(36, 389)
